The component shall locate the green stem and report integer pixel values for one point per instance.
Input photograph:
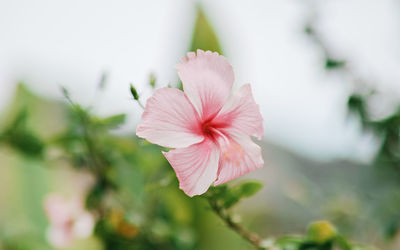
(250, 237)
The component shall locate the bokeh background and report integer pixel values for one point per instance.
(326, 75)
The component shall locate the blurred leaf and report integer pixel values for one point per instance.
(65, 92)
(334, 64)
(229, 196)
(307, 245)
(308, 29)
(289, 242)
(18, 136)
(26, 142)
(111, 121)
(247, 188)
(356, 104)
(131, 178)
(96, 194)
(242, 190)
(152, 80)
(25, 242)
(204, 36)
(103, 80)
(342, 243)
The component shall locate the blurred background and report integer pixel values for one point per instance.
(326, 75)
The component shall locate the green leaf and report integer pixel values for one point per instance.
(18, 136)
(242, 190)
(247, 188)
(356, 104)
(334, 64)
(96, 194)
(26, 142)
(112, 121)
(289, 242)
(204, 36)
(342, 243)
(228, 196)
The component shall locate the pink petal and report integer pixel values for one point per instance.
(170, 120)
(207, 80)
(195, 166)
(84, 224)
(239, 156)
(242, 113)
(59, 237)
(57, 209)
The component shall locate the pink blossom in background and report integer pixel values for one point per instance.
(209, 130)
(68, 220)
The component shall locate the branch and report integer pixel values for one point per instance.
(250, 237)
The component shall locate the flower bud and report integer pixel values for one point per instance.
(152, 80)
(134, 93)
(321, 231)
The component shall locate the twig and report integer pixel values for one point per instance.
(250, 237)
(135, 96)
(140, 104)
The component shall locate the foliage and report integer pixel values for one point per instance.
(204, 36)
(386, 163)
(135, 196)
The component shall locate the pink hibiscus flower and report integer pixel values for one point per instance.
(209, 131)
(68, 220)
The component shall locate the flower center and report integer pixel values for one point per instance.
(207, 128)
(212, 128)
(230, 150)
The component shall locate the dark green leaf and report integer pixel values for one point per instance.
(18, 136)
(334, 64)
(357, 105)
(26, 142)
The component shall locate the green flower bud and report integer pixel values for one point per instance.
(134, 93)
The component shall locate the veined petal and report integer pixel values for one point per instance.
(239, 156)
(195, 166)
(170, 120)
(242, 113)
(207, 79)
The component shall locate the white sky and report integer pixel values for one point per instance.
(50, 43)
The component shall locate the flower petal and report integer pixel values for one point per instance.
(207, 79)
(239, 156)
(242, 113)
(57, 209)
(195, 166)
(84, 224)
(59, 237)
(170, 120)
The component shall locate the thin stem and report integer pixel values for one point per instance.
(250, 237)
(140, 104)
